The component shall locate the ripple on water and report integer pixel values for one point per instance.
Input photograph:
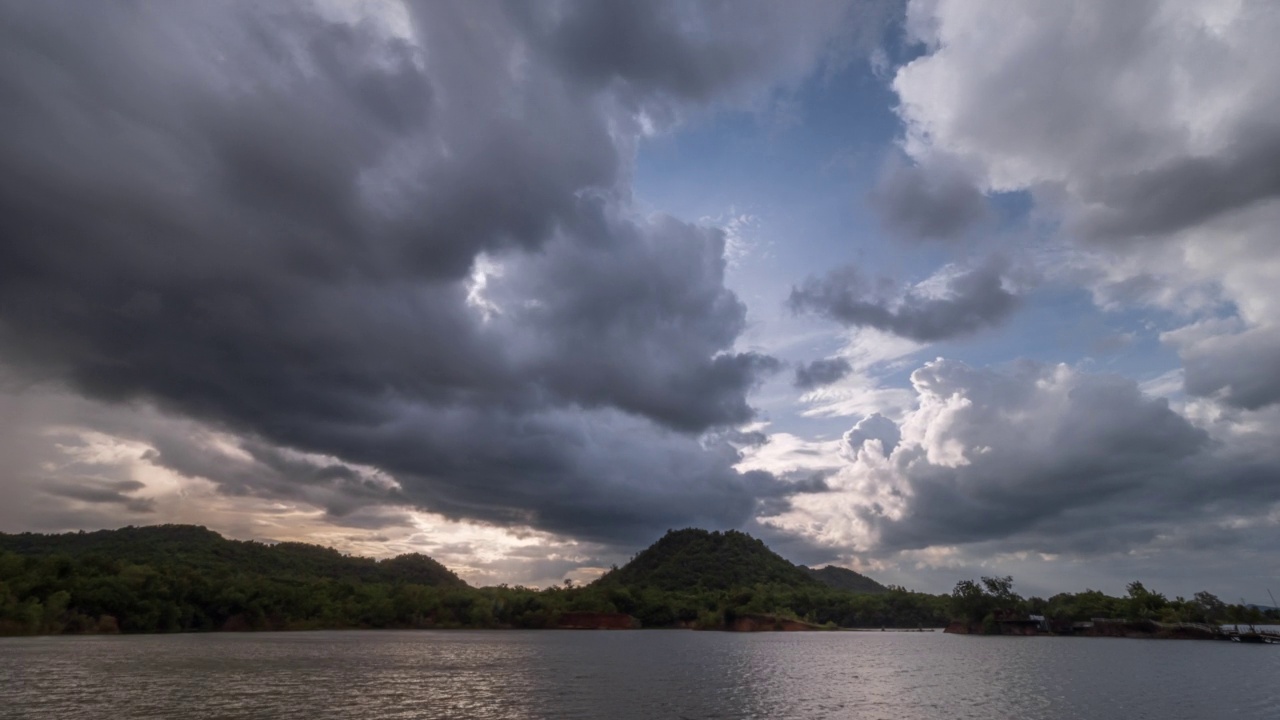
(642, 674)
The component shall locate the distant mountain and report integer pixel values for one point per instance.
(698, 559)
(196, 548)
(845, 579)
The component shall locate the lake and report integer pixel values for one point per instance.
(632, 674)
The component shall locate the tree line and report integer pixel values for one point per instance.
(62, 594)
(979, 603)
(177, 578)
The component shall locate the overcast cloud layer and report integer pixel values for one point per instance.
(386, 274)
(402, 241)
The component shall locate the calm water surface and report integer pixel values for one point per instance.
(640, 674)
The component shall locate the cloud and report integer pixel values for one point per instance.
(72, 463)
(1151, 85)
(875, 357)
(691, 51)
(1037, 458)
(639, 319)
(390, 257)
(821, 372)
(1147, 132)
(874, 427)
(106, 493)
(1237, 368)
(248, 467)
(935, 202)
(1183, 192)
(973, 300)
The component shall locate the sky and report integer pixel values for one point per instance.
(930, 289)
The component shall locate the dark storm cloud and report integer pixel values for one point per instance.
(598, 475)
(685, 49)
(636, 319)
(277, 223)
(927, 202)
(974, 300)
(254, 468)
(1184, 192)
(776, 497)
(102, 492)
(821, 372)
(1043, 458)
(1240, 369)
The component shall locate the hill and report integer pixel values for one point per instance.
(694, 559)
(195, 548)
(181, 578)
(845, 579)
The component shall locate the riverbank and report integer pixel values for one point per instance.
(751, 622)
(1115, 628)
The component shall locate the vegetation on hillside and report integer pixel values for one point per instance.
(194, 548)
(693, 559)
(845, 579)
(707, 579)
(178, 579)
(181, 579)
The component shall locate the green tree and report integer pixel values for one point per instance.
(1142, 604)
(1208, 608)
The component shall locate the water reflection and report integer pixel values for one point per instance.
(645, 674)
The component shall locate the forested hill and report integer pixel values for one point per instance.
(175, 578)
(698, 559)
(845, 579)
(194, 548)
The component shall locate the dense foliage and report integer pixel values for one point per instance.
(193, 548)
(698, 559)
(173, 578)
(845, 579)
(181, 578)
(980, 603)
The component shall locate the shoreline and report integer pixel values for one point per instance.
(1125, 629)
